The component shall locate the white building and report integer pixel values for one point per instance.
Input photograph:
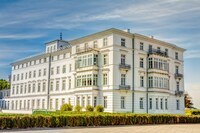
(122, 71)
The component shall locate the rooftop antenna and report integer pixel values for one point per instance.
(60, 35)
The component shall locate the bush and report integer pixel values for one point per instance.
(78, 108)
(66, 107)
(99, 108)
(91, 119)
(89, 108)
(195, 112)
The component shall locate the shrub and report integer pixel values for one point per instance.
(78, 108)
(91, 119)
(195, 112)
(99, 108)
(89, 108)
(66, 107)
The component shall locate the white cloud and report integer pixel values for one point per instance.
(20, 36)
(192, 54)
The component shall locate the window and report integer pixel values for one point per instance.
(21, 89)
(156, 103)
(123, 79)
(33, 104)
(63, 101)
(51, 103)
(43, 103)
(141, 62)
(64, 85)
(83, 102)
(150, 48)
(166, 51)
(176, 55)
(158, 48)
(177, 86)
(150, 82)
(161, 103)
(39, 87)
(150, 103)
(39, 73)
(34, 74)
(64, 69)
(29, 88)
(166, 104)
(123, 42)
(150, 62)
(22, 76)
(58, 70)
(141, 81)
(30, 74)
(26, 76)
(141, 103)
(64, 56)
(105, 101)
(177, 105)
(13, 77)
(56, 104)
(57, 85)
(141, 46)
(95, 44)
(122, 102)
(44, 87)
(105, 41)
(176, 69)
(58, 57)
(105, 59)
(33, 89)
(44, 72)
(89, 80)
(105, 79)
(95, 101)
(69, 83)
(123, 59)
(38, 103)
(51, 86)
(52, 71)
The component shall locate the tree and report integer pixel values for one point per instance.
(4, 84)
(188, 101)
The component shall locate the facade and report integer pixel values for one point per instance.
(122, 71)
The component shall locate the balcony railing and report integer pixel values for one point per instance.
(179, 93)
(84, 50)
(124, 87)
(124, 66)
(158, 52)
(178, 75)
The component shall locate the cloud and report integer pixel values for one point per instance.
(21, 36)
(192, 54)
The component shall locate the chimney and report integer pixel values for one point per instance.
(152, 37)
(127, 30)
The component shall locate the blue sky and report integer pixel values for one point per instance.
(25, 25)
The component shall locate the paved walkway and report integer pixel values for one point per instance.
(180, 128)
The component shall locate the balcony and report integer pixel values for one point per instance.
(124, 66)
(158, 52)
(85, 50)
(179, 93)
(178, 75)
(124, 87)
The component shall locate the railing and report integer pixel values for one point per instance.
(124, 66)
(179, 93)
(84, 50)
(124, 87)
(158, 52)
(178, 75)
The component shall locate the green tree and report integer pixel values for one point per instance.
(4, 84)
(188, 101)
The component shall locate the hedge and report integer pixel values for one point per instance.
(31, 121)
(195, 112)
